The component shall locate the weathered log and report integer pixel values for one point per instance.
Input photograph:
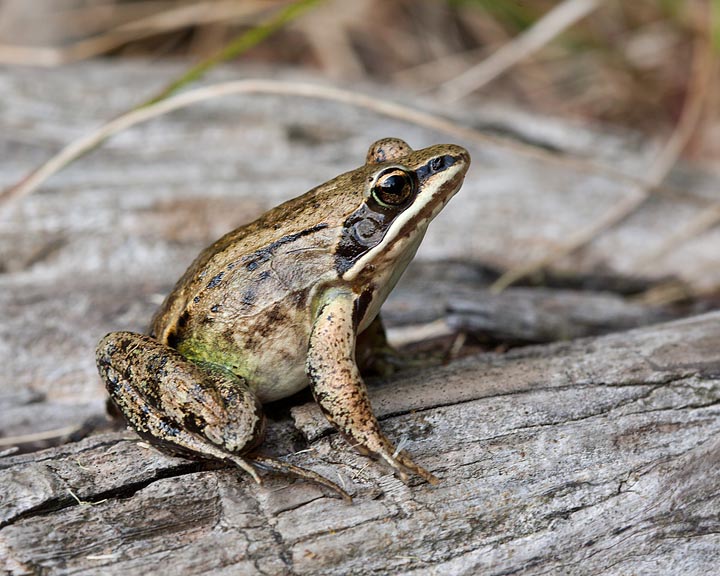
(457, 293)
(596, 456)
(591, 456)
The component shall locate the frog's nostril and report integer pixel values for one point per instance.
(441, 163)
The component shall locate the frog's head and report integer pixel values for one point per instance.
(403, 189)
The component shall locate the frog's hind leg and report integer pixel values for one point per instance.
(200, 412)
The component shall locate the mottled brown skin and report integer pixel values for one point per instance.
(278, 304)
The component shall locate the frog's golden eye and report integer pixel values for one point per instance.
(394, 187)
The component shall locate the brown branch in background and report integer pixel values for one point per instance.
(146, 27)
(543, 31)
(707, 219)
(330, 39)
(82, 145)
(702, 66)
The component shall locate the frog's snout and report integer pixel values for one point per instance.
(459, 153)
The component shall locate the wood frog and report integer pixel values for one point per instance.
(278, 304)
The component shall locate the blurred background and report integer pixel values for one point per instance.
(625, 63)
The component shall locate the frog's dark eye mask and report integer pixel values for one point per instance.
(393, 189)
(398, 196)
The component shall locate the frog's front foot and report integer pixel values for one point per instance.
(198, 410)
(374, 442)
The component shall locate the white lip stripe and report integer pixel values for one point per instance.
(425, 197)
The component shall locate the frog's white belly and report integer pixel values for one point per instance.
(269, 350)
(277, 368)
(279, 378)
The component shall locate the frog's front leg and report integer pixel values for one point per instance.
(199, 410)
(339, 389)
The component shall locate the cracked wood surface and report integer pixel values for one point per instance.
(597, 456)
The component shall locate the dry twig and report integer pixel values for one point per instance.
(235, 47)
(255, 86)
(543, 31)
(707, 219)
(146, 27)
(703, 64)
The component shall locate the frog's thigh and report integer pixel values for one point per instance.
(198, 410)
(339, 389)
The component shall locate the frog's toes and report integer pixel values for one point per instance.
(402, 464)
(285, 468)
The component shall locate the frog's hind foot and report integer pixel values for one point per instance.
(402, 463)
(284, 468)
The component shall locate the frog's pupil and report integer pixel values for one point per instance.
(393, 188)
(393, 185)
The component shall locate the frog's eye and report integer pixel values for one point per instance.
(393, 187)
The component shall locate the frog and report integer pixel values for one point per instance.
(287, 301)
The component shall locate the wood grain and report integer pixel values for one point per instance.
(597, 456)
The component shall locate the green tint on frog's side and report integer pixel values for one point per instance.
(276, 305)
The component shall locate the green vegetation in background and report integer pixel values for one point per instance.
(676, 10)
(238, 45)
(512, 14)
(671, 8)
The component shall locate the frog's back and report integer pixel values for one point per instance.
(249, 270)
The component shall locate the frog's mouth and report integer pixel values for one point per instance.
(408, 228)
